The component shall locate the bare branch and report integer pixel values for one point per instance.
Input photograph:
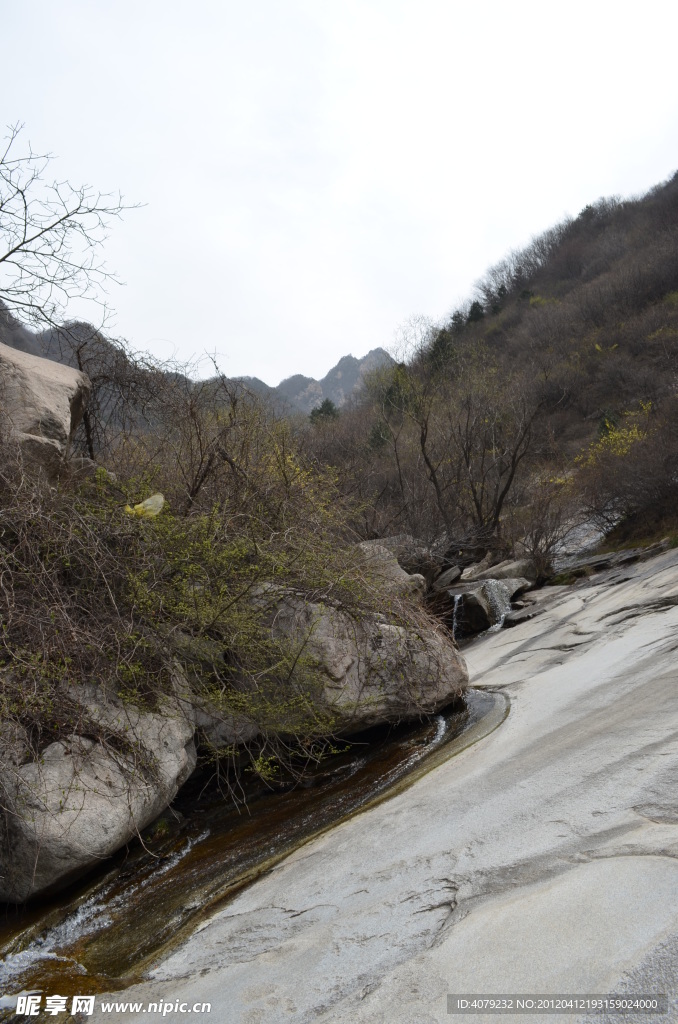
(51, 234)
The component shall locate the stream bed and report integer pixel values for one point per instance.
(105, 932)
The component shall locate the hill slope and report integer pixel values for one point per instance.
(552, 390)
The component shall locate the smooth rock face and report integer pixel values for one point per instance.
(43, 402)
(542, 859)
(82, 801)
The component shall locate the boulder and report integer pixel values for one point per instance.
(413, 555)
(351, 671)
(218, 729)
(470, 607)
(471, 571)
(42, 402)
(447, 578)
(510, 569)
(366, 671)
(85, 798)
(384, 564)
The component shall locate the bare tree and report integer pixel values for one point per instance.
(459, 434)
(51, 235)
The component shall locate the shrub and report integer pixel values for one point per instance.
(175, 604)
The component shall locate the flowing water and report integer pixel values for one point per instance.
(103, 933)
(499, 599)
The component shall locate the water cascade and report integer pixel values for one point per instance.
(457, 599)
(499, 599)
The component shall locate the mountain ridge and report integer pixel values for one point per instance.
(297, 393)
(344, 380)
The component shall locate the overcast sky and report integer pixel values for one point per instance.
(315, 172)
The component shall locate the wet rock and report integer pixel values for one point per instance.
(543, 859)
(85, 798)
(475, 613)
(470, 607)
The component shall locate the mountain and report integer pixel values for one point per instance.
(60, 344)
(294, 394)
(342, 382)
(13, 334)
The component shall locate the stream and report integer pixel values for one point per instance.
(104, 933)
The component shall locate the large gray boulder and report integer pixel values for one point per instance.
(85, 798)
(366, 671)
(350, 670)
(42, 403)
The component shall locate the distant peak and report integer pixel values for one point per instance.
(339, 384)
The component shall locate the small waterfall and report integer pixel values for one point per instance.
(499, 599)
(441, 730)
(457, 599)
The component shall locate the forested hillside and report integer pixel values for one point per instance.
(550, 393)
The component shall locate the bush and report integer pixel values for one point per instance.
(631, 470)
(181, 603)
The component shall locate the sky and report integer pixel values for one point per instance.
(314, 173)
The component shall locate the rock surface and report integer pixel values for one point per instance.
(84, 800)
(385, 564)
(510, 569)
(476, 605)
(471, 571)
(447, 578)
(86, 797)
(413, 555)
(543, 858)
(43, 402)
(369, 670)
